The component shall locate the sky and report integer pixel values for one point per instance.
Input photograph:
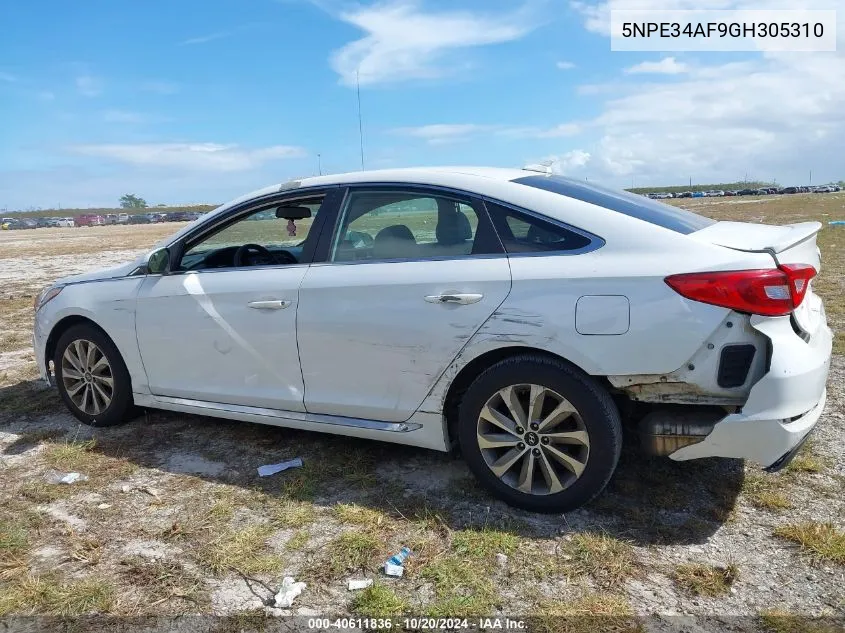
(202, 101)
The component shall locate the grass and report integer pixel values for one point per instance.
(822, 541)
(780, 621)
(378, 601)
(13, 537)
(15, 542)
(607, 559)
(705, 580)
(484, 543)
(293, 514)
(245, 550)
(354, 514)
(53, 595)
(352, 551)
(461, 587)
(298, 541)
(765, 491)
(590, 613)
(27, 397)
(806, 461)
(86, 458)
(163, 581)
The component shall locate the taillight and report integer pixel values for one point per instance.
(769, 292)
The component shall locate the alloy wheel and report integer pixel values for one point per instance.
(533, 439)
(87, 377)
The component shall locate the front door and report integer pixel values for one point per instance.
(222, 326)
(411, 276)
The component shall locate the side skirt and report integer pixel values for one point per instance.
(411, 433)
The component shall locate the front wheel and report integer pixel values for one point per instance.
(92, 378)
(540, 434)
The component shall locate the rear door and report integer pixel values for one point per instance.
(410, 275)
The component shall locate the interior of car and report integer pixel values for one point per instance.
(270, 236)
(378, 226)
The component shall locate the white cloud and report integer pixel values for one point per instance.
(772, 115)
(442, 133)
(89, 86)
(403, 42)
(565, 65)
(189, 156)
(160, 87)
(564, 129)
(202, 39)
(568, 162)
(666, 66)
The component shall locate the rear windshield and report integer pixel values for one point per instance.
(640, 207)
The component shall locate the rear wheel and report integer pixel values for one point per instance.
(92, 378)
(540, 434)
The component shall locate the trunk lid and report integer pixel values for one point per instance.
(788, 244)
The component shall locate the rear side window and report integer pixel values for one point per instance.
(524, 233)
(630, 204)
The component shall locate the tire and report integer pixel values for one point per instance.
(93, 410)
(590, 437)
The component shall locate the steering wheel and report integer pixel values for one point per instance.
(240, 257)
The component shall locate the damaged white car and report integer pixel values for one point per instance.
(508, 313)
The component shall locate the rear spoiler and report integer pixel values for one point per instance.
(756, 238)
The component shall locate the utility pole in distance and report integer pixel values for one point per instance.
(360, 120)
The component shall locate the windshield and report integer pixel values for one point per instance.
(630, 204)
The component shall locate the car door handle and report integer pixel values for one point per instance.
(461, 299)
(269, 305)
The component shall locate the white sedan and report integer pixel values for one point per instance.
(506, 313)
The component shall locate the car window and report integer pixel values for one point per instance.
(274, 240)
(635, 206)
(378, 225)
(524, 233)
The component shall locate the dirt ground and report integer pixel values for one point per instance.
(174, 519)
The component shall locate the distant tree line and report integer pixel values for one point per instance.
(131, 201)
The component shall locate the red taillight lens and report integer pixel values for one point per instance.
(770, 292)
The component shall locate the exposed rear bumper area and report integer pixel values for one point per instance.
(782, 407)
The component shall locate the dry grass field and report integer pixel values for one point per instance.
(173, 518)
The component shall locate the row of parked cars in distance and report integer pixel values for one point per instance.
(743, 192)
(96, 219)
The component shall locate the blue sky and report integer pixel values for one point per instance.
(201, 101)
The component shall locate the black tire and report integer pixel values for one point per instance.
(121, 407)
(594, 405)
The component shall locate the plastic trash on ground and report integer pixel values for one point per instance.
(837, 223)
(354, 585)
(289, 590)
(65, 478)
(272, 469)
(395, 565)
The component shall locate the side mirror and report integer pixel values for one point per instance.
(158, 262)
(293, 213)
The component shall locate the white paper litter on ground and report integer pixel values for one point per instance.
(68, 478)
(360, 584)
(272, 469)
(289, 590)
